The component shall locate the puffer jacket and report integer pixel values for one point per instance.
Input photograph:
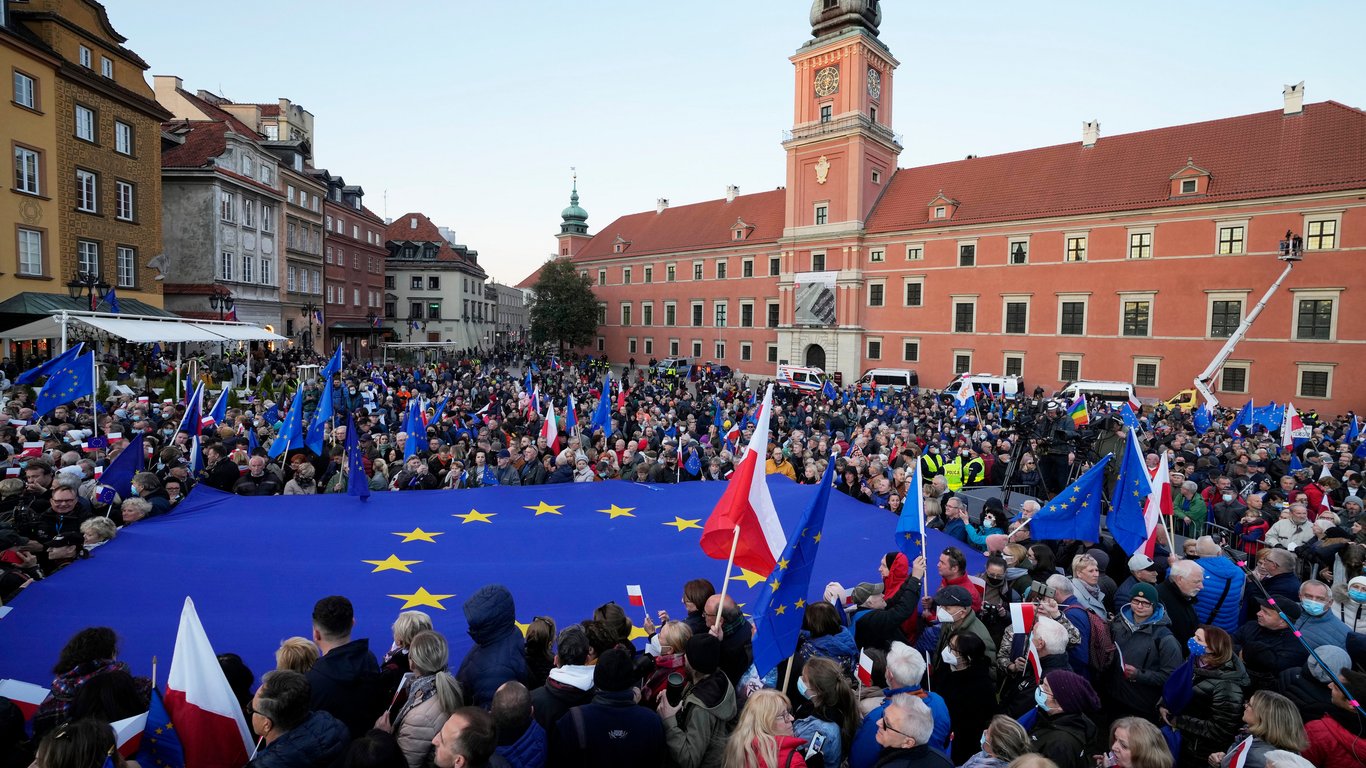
(1220, 601)
(839, 648)
(317, 742)
(416, 727)
(530, 750)
(1215, 713)
(1149, 647)
(498, 653)
(1333, 743)
(696, 735)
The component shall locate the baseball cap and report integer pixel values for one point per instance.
(1141, 562)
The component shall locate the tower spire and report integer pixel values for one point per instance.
(574, 219)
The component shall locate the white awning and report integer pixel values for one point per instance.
(149, 331)
(240, 331)
(142, 329)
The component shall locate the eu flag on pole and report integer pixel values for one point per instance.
(1201, 419)
(1179, 689)
(317, 429)
(782, 602)
(219, 412)
(74, 380)
(1354, 429)
(160, 744)
(571, 417)
(119, 474)
(602, 415)
(113, 300)
(46, 369)
(1243, 419)
(1130, 418)
(1128, 507)
(1074, 513)
(357, 484)
(333, 366)
(415, 429)
(910, 526)
(291, 434)
(829, 390)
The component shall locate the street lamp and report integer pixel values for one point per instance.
(221, 300)
(308, 310)
(370, 319)
(86, 283)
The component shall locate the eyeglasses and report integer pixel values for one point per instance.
(785, 715)
(883, 724)
(1140, 601)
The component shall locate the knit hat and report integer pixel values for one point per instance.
(615, 671)
(1336, 658)
(1072, 692)
(1102, 559)
(1354, 500)
(1146, 591)
(704, 653)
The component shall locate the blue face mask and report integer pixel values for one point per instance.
(1359, 597)
(801, 688)
(1040, 699)
(1314, 608)
(1195, 648)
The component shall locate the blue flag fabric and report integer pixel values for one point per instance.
(1130, 500)
(718, 415)
(253, 442)
(1201, 419)
(333, 366)
(1126, 412)
(1354, 429)
(196, 457)
(571, 418)
(160, 745)
(602, 415)
(1295, 463)
(617, 533)
(909, 528)
(317, 428)
(829, 391)
(272, 414)
(782, 603)
(72, 381)
(693, 464)
(189, 423)
(1268, 416)
(1074, 513)
(130, 461)
(291, 433)
(219, 412)
(1243, 419)
(46, 368)
(1179, 689)
(357, 484)
(415, 429)
(113, 299)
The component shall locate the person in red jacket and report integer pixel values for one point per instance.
(763, 737)
(1339, 737)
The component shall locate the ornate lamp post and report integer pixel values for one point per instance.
(87, 284)
(308, 310)
(221, 300)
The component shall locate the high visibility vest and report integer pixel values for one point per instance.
(953, 473)
(931, 464)
(975, 470)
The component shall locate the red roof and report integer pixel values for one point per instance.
(530, 280)
(690, 227)
(1249, 156)
(424, 231)
(203, 141)
(270, 110)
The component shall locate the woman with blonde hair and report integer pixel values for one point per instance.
(427, 696)
(1003, 740)
(763, 737)
(297, 654)
(829, 709)
(1136, 743)
(1274, 723)
(395, 663)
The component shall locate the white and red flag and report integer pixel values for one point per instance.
(26, 696)
(1293, 428)
(1022, 617)
(635, 596)
(745, 514)
(1159, 503)
(128, 734)
(865, 669)
(1237, 757)
(550, 430)
(201, 703)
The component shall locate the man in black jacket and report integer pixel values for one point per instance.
(737, 650)
(571, 681)
(221, 473)
(904, 733)
(345, 680)
(612, 729)
(1177, 595)
(1268, 644)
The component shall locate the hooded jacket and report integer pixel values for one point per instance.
(1215, 713)
(696, 734)
(1151, 648)
(497, 655)
(347, 684)
(1220, 601)
(565, 688)
(317, 742)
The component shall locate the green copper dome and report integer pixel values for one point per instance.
(575, 218)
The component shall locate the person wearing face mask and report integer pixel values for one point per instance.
(827, 706)
(963, 675)
(1349, 603)
(996, 599)
(1319, 625)
(953, 610)
(1001, 742)
(1149, 651)
(1064, 730)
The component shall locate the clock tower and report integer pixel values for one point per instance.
(841, 151)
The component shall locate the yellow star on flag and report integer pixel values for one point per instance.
(782, 565)
(520, 626)
(817, 537)
(543, 508)
(475, 516)
(775, 584)
(749, 577)
(683, 524)
(417, 534)
(391, 563)
(801, 603)
(637, 632)
(422, 598)
(614, 512)
(780, 610)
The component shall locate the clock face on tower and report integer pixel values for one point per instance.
(874, 83)
(827, 81)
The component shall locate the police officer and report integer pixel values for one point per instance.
(931, 463)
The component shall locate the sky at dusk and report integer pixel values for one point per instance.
(474, 112)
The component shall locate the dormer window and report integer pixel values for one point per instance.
(1190, 180)
(942, 207)
(940, 212)
(740, 230)
(1188, 186)
(620, 245)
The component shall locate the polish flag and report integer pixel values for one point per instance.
(1237, 757)
(201, 703)
(747, 507)
(1293, 428)
(26, 696)
(549, 430)
(1035, 663)
(865, 669)
(1022, 617)
(32, 449)
(621, 395)
(128, 734)
(1159, 503)
(733, 434)
(635, 596)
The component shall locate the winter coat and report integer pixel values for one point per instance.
(54, 709)
(969, 709)
(317, 742)
(1268, 651)
(1285, 585)
(791, 753)
(696, 734)
(1333, 744)
(1327, 629)
(1220, 601)
(915, 757)
(1349, 611)
(839, 648)
(1095, 603)
(530, 750)
(1312, 698)
(498, 652)
(878, 628)
(834, 750)
(1215, 713)
(417, 723)
(564, 689)
(1180, 611)
(347, 684)
(1064, 738)
(1149, 647)
(265, 485)
(611, 730)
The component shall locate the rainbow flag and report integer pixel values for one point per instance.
(1080, 416)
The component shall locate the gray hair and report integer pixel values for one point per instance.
(1189, 485)
(919, 722)
(1315, 583)
(1060, 583)
(1187, 569)
(1283, 558)
(137, 503)
(1206, 546)
(1051, 635)
(905, 664)
(102, 527)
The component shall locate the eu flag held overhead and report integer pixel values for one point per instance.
(70, 382)
(1074, 513)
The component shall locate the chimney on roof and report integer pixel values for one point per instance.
(731, 192)
(1090, 133)
(1294, 98)
(662, 205)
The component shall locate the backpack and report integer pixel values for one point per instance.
(1100, 653)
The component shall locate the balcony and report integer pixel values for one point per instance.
(841, 125)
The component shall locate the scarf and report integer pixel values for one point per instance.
(419, 689)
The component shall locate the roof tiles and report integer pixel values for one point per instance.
(691, 227)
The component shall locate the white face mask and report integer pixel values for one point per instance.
(949, 656)
(943, 615)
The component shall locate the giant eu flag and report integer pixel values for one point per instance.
(1074, 513)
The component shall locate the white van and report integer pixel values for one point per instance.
(894, 379)
(987, 383)
(801, 377)
(1113, 392)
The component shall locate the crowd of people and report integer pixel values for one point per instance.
(1261, 592)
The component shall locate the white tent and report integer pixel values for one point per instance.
(140, 329)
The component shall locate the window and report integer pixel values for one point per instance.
(1145, 373)
(771, 352)
(415, 282)
(85, 123)
(915, 252)
(875, 349)
(967, 255)
(747, 268)
(1224, 317)
(289, 192)
(248, 212)
(1314, 320)
(1017, 317)
(267, 218)
(1315, 381)
(872, 115)
(772, 314)
(875, 294)
(123, 200)
(940, 211)
(25, 92)
(962, 362)
(1069, 369)
(746, 315)
(389, 282)
(1076, 248)
(721, 269)
(1140, 245)
(602, 277)
(341, 262)
(433, 282)
(1188, 186)
(625, 313)
(647, 314)
(720, 350)
(746, 351)
(87, 191)
(671, 273)
(649, 274)
(625, 275)
(1018, 251)
(433, 307)
(670, 313)
(827, 112)
(1137, 318)
(774, 266)
(721, 309)
(27, 176)
(1014, 365)
(1072, 318)
(697, 314)
(228, 207)
(30, 252)
(1321, 234)
(817, 262)
(1233, 378)
(964, 316)
(225, 265)
(1231, 239)
(877, 175)
(247, 267)
(649, 346)
(631, 346)
(697, 270)
(107, 67)
(415, 310)
(910, 351)
(85, 57)
(915, 292)
(822, 214)
(696, 348)
(292, 281)
(88, 257)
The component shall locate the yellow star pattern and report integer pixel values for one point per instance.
(417, 534)
(475, 516)
(683, 524)
(520, 626)
(780, 610)
(801, 603)
(614, 512)
(391, 563)
(782, 565)
(543, 508)
(817, 538)
(749, 577)
(422, 598)
(637, 632)
(775, 584)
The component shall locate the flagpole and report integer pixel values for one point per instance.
(154, 673)
(725, 583)
(94, 389)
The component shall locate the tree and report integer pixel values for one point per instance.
(564, 310)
